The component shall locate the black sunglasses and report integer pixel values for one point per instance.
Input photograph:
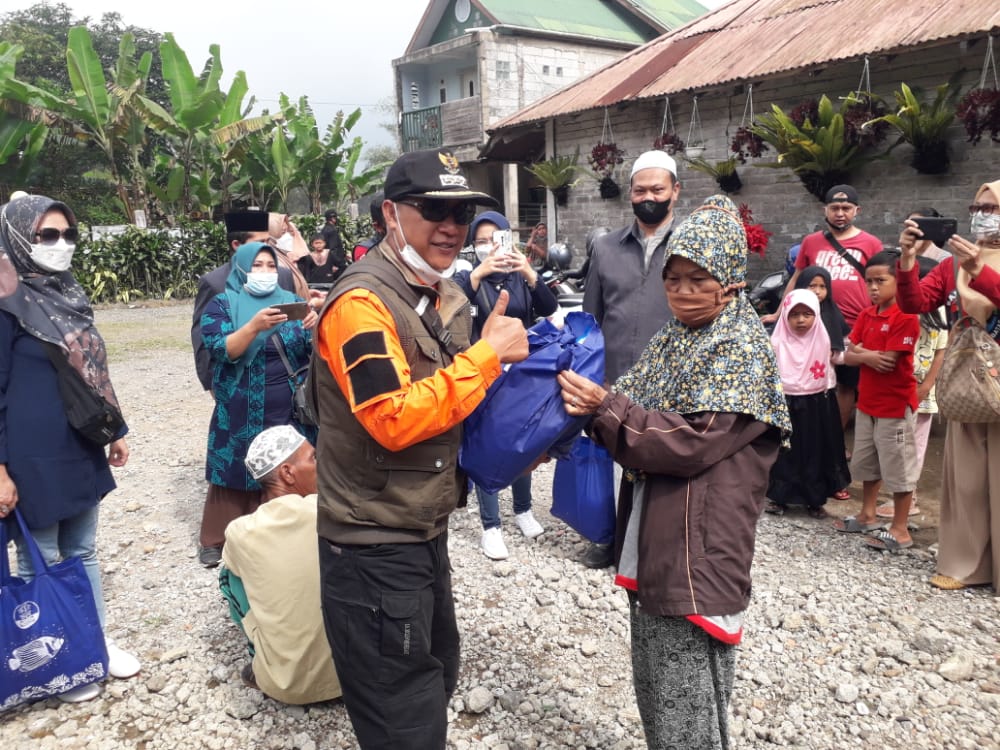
(50, 235)
(437, 209)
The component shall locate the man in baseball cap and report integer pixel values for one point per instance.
(395, 376)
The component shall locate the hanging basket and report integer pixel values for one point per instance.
(562, 195)
(931, 158)
(730, 183)
(609, 188)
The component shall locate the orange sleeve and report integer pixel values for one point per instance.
(358, 341)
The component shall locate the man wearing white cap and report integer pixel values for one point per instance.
(624, 289)
(270, 574)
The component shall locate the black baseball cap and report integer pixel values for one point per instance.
(246, 221)
(431, 174)
(842, 194)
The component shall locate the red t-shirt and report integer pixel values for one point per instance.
(887, 394)
(849, 290)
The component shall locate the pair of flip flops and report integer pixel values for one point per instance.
(883, 541)
(851, 525)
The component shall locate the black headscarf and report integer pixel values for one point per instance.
(50, 306)
(833, 319)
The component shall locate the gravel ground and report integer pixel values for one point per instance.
(844, 647)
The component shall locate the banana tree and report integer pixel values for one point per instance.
(23, 128)
(347, 184)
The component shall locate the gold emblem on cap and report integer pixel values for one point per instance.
(449, 161)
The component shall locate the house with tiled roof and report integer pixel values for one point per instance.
(719, 71)
(472, 63)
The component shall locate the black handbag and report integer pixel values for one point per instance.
(86, 410)
(302, 408)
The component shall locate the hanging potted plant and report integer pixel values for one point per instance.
(604, 157)
(923, 126)
(979, 111)
(558, 174)
(723, 172)
(746, 144)
(757, 237)
(670, 142)
(812, 141)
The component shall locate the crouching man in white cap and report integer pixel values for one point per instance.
(270, 574)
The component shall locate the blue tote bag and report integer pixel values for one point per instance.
(50, 634)
(522, 416)
(583, 491)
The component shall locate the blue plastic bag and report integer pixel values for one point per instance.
(583, 491)
(50, 636)
(522, 416)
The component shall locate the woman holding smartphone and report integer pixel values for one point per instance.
(246, 336)
(501, 266)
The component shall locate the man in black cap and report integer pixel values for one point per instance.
(843, 250)
(241, 227)
(394, 378)
(331, 234)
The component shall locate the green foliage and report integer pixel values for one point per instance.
(557, 172)
(142, 263)
(924, 125)
(714, 169)
(817, 151)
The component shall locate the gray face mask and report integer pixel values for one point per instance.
(985, 226)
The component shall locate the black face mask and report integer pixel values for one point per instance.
(651, 212)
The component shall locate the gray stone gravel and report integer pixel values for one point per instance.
(844, 648)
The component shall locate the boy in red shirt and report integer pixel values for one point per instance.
(882, 343)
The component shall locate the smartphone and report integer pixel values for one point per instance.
(294, 310)
(937, 229)
(504, 240)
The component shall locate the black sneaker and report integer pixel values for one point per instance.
(598, 556)
(210, 557)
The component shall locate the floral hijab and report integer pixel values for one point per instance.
(727, 365)
(50, 306)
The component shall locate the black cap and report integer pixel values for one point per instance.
(246, 221)
(331, 214)
(431, 174)
(842, 194)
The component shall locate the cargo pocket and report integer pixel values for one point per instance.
(405, 618)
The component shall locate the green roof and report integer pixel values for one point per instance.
(603, 19)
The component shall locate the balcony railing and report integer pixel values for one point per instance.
(421, 129)
(455, 123)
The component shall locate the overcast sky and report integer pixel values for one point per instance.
(338, 53)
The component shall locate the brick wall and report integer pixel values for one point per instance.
(888, 189)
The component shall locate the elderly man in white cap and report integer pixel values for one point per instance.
(270, 574)
(624, 291)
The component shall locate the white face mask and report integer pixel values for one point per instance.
(55, 258)
(284, 242)
(261, 284)
(483, 252)
(415, 261)
(985, 226)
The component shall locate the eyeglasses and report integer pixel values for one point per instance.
(483, 243)
(438, 209)
(986, 208)
(50, 235)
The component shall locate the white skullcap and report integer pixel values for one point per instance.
(271, 448)
(18, 194)
(655, 160)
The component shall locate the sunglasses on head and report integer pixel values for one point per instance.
(50, 235)
(437, 209)
(986, 208)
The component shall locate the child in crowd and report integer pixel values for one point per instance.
(882, 343)
(815, 467)
(817, 279)
(927, 360)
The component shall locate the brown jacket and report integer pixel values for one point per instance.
(706, 475)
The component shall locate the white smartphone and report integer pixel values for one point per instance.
(504, 240)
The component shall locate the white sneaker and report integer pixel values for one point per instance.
(81, 694)
(121, 664)
(527, 524)
(492, 545)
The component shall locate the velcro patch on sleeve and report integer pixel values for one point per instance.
(370, 370)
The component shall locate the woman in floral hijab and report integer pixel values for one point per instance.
(697, 423)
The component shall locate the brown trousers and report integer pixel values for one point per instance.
(222, 505)
(969, 537)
